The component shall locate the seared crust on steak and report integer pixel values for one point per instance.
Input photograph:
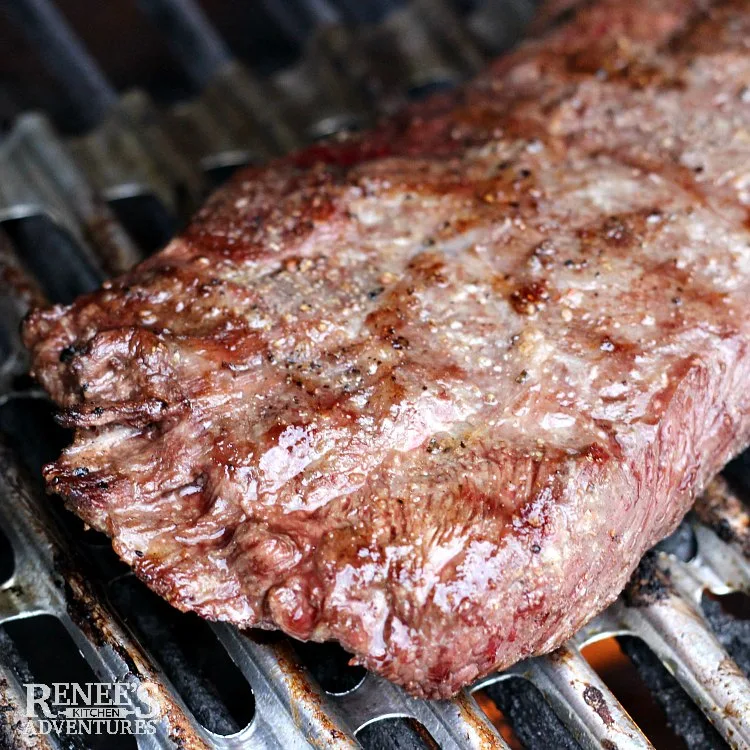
(432, 391)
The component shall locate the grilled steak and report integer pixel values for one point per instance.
(432, 391)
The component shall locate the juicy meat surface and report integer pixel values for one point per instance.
(433, 390)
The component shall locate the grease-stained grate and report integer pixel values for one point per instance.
(288, 696)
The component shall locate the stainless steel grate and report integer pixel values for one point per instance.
(138, 149)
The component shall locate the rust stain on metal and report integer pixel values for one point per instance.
(99, 627)
(113, 248)
(484, 735)
(15, 279)
(594, 698)
(560, 655)
(86, 612)
(302, 692)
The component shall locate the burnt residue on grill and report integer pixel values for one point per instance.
(85, 610)
(11, 722)
(11, 726)
(298, 683)
(732, 632)
(721, 510)
(649, 583)
(89, 615)
(682, 715)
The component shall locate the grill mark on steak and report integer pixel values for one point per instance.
(433, 390)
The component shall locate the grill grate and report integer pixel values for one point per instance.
(303, 696)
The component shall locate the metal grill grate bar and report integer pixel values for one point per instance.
(452, 724)
(40, 177)
(46, 28)
(582, 701)
(201, 51)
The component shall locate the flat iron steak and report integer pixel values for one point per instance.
(432, 391)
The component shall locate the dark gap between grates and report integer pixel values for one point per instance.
(464, 6)
(400, 733)
(39, 649)
(23, 382)
(423, 90)
(499, 24)
(737, 473)
(329, 664)
(358, 13)
(190, 38)
(8, 330)
(681, 543)
(729, 618)
(339, 126)
(35, 435)
(609, 660)
(191, 656)
(735, 604)
(687, 725)
(252, 35)
(7, 559)
(146, 220)
(38, 439)
(52, 257)
(534, 723)
(217, 176)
